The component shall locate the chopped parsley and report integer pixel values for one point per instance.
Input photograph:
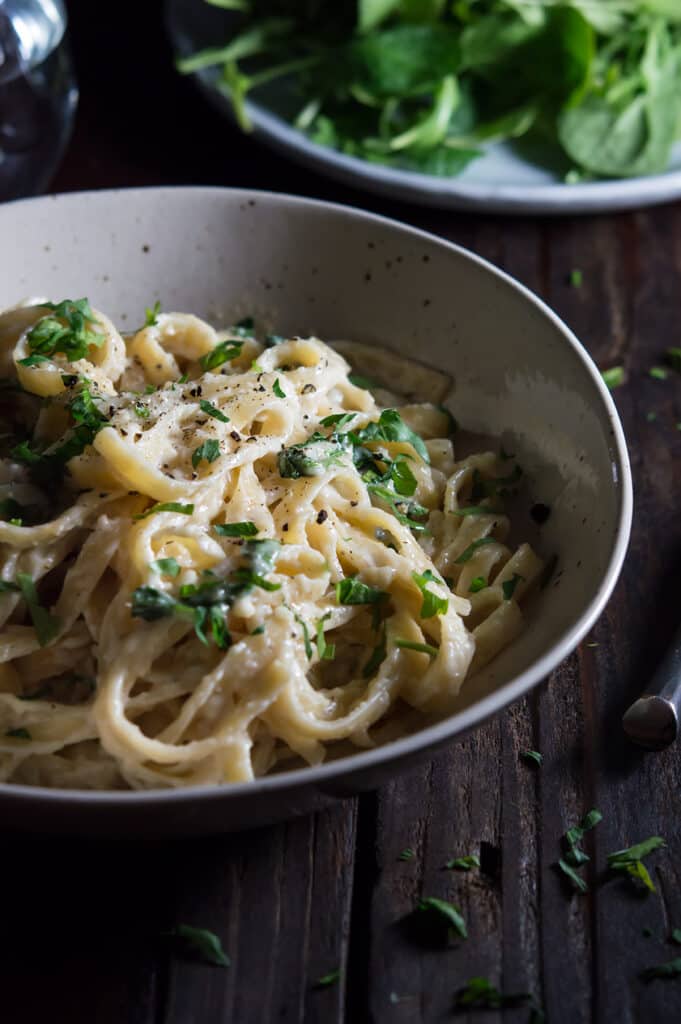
(256, 367)
(480, 993)
(658, 372)
(46, 626)
(327, 652)
(33, 360)
(473, 510)
(18, 734)
(206, 604)
(278, 390)
(246, 529)
(328, 979)
(466, 555)
(674, 358)
(670, 969)
(575, 856)
(377, 657)
(478, 583)
(338, 419)
(508, 586)
(306, 638)
(209, 450)
(141, 410)
(406, 854)
(68, 330)
(391, 427)
(311, 457)
(199, 943)
(223, 352)
(152, 313)
(166, 506)
(464, 863)
(576, 278)
(630, 861)
(352, 591)
(432, 603)
(676, 936)
(365, 383)
(447, 912)
(532, 756)
(614, 377)
(166, 566)
(211, 410)
(412, 645)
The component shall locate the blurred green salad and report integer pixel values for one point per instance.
(425, 84)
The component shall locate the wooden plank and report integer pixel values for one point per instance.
(280, 900)
(80, 925)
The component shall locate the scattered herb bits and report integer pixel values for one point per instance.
(445, 913)
(670, 969)
(328, 979)
(576, 278)
(658, 372)
(463, 863)
(630, 861)
(406, 854)
(614, 377)
(199, 944)
(532, 756)
(212, 410)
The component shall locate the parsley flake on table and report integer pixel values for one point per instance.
(406, 854)
(574, 856)
(328, 979)
(463, 863)
(674, 358)
(630, 861)
(68, 331)
(446, 912)
(532, 756)
(576, 278)
(614, 377)
(480, 993)
(658, 372)
(670, 969)
(199, 943)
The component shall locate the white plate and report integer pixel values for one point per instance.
(502, 181)
(309, 267)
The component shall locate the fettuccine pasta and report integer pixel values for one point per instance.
(221, 556)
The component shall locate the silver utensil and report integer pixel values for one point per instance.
(652, 721)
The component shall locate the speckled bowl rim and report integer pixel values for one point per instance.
(462, 721)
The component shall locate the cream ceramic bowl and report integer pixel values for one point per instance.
(309, 267)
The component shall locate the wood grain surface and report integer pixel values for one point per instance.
(81, 936)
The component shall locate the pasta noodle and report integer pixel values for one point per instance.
(220, 556)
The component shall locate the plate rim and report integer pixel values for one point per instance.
(471, 717)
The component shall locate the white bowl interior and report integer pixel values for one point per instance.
(307, 267)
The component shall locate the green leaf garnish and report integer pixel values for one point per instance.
(166, 506)
(377, 657)
(68, 330)
(630, 861)
(19, 734)
(326, 652)
(432, 604)
(309, 653)
(223, 352)
(406, 854)
(576, 278)
(575, 856)
(508, 586)
(338, 419)
(572, 875)
(352, 591)
(391, 427)
(480, 993)
(166, 566)
(670, 969)
(473, 510)
(448, 912)
(200, 943)
(328, 979)
(33, 360)
(141, 410)
(614, 377)
(311, 457)
(365, 383)
(464, 863)
(674, 358)
(477, 584)
(151, 314)
(246, 529)
(211, 410)
(209, 450)
(278, 390)
(531, 755)
(46, 626)
(466, 555)
(412, 645)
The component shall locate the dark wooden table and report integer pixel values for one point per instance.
(81, 920)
